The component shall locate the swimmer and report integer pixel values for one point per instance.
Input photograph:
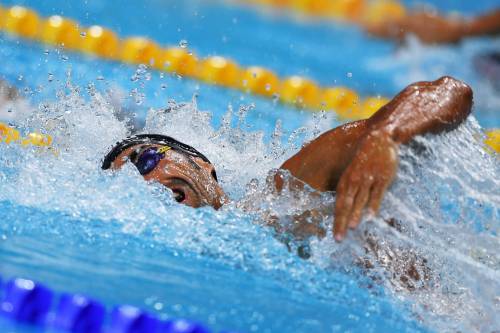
(357, 161)
(432, 28)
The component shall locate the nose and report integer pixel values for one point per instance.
(220, 197)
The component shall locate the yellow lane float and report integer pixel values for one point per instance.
(179, 61)
(493, 139)
(60, 31)
(259, 81)
(356, 11)
(300, 91)
(21, 21)
(345, 102)
(8, 134)
(101, 42)
(139, 50)
(346, 10)
(11, 135)
(370, 106)
(382, 10)
(219, 70)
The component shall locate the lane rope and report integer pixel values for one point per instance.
(493, 139)
(29, 302)
(101, 42)
(362, 12)
(10, 135)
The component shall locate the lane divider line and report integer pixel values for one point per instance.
(10, 135)
(101, 42)
(29, 302)
(361, 12)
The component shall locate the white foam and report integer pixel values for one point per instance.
(446, 198)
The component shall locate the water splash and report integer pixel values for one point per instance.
(443, 209)
(420, 62)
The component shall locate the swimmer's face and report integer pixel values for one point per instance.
(192, 180)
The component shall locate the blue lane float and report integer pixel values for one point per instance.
(26, 301)
(76, 313)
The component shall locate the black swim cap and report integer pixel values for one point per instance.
(158, 139)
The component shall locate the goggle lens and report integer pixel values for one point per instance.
(148, 160)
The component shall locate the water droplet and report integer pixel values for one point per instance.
(50, 77)
(137, 96)
(163, 86)
(46, 52)
(349, 74)
(100, 78)
(183, 43)
(268, 86)
(20, 78)
(83, 34)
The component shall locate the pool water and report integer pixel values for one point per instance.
(70, 225)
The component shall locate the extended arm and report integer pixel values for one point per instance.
(359, 160)
(432, 28)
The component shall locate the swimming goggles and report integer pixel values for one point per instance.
(147, 160)
(150, 139)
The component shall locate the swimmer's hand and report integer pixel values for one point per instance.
(365, 181)
(359, 159)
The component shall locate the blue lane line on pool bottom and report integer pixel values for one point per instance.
(26, 301)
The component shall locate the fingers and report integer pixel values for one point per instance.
(377, 194)
(350, 205)
(359, 205)
(343, 207)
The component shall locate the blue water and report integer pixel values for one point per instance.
(78, 229)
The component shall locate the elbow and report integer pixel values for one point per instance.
(459, 94)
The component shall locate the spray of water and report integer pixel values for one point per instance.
(434, 245)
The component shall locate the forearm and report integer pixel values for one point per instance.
(321, 162)
(488, 24)
(424, 107)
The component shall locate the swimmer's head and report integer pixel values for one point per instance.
(181, 168)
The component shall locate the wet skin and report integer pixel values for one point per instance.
(432, 28)
(357, 160)
(192, 180)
